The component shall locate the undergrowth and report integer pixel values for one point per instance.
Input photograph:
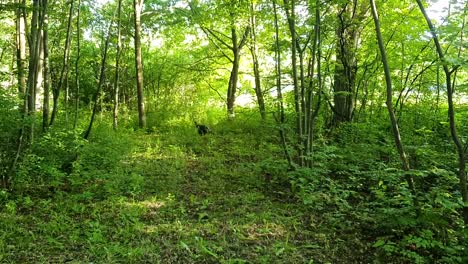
(168, 195)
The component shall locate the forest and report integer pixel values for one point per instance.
(233, 131)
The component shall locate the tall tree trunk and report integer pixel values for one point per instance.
(254, 52)
(232, 86)
(311, 114)
(451, 114)
(279, 93)
(20, 21)
(347, 34)
(33, 57)
(45, 46)
(77, 63)
(21, 49)
(389, 103)
(117, 69)
(34, 63)
(100, 83)
(138, 63)
(290, 13)
(234, 77)
(64, 71)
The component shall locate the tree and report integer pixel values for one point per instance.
(451, 113)
(117, 67)
(290, 14)
(138, 4)
(45, 46)
(279, 94)
(389, 103)
(77, 62)
(256, 67)
(100, 83)
(230, 41)
(21, 49)
(64, 71)
(350, 14)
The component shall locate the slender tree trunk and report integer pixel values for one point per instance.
(279, 93)
(100, 83)
(389, 103)
(313, 113)
(45, 45)
(232, 86)
(290, 13)
(21, 49)
(451, 114)
(20, 21)
(117, 69)
(33, 56)
(77, 63)
(302, 87)
(236, 49)
(34, 63)
(64, 71)
(138, 63)
(254, 52)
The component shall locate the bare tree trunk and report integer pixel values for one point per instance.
(254, 52)
(77, 62)
(290, 13)
(34, 63)
(20, 21)
(279, 93)
(100, 83)
(389, 103)
(138, 63)
(451, 114)
(64, 71)
(117, 69)
(21, 49)
(311, 114)
(45, 46)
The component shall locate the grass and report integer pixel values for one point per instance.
(162, 197)
(172, 196)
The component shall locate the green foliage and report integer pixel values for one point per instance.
(10, 124)
(357, 187)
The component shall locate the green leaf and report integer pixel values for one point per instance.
(379, 243)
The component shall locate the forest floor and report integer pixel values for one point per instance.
(158, 198)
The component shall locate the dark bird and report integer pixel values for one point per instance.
(202, 129)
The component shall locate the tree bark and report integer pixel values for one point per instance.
(100, 83)
(21, 50)
(34, 64)
(311, 114)
(64, 72)
(77, 62)
(451, 114)
(117, 69)
(254, 52)
(138, 63)
(347, 34)
(236, 49)
(45, 46)
(279, 93)
(389, 103)
(290, 13)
